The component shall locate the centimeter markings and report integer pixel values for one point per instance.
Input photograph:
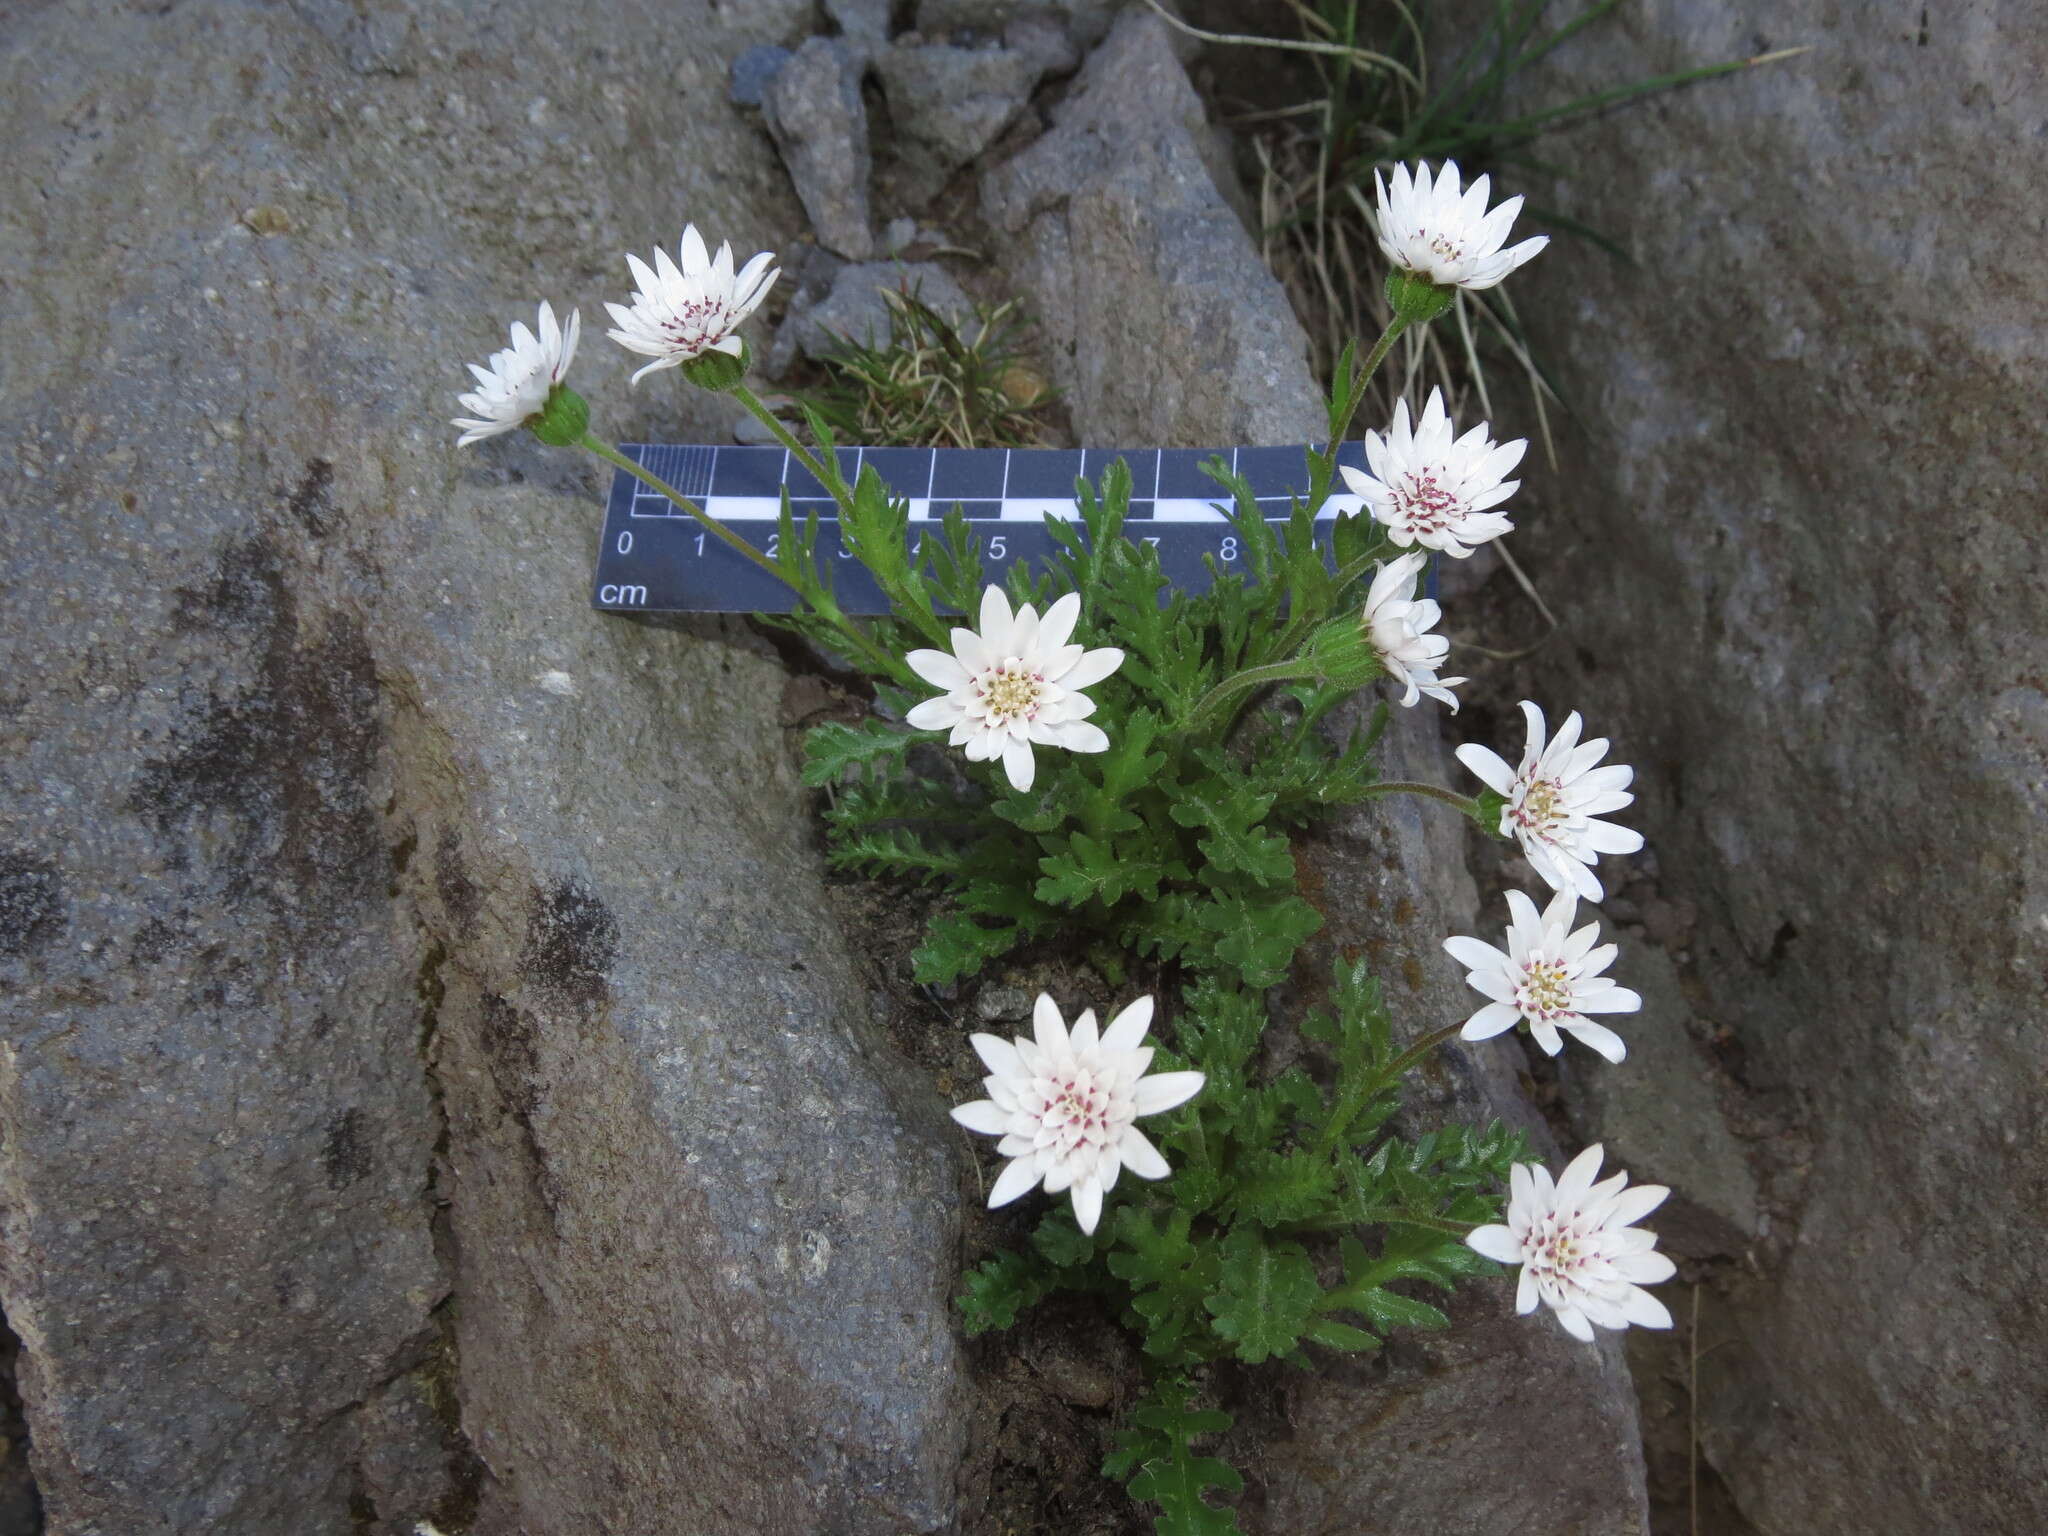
(656, 558)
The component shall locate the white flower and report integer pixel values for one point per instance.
(1432, 488)
(1015, 683)
(682, 312)
(514, 384)
(1396, 619)
(1445, 235)
(1552, 800)
(1578, 1250)
(1064, 1104)
(1549, 977)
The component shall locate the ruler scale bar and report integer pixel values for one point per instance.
(656, 558)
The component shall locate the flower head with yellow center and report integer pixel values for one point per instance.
(1430, 227)
(685, 309)
(1548, 978)
(1432, 487)
(1581, 1253)
(513, 387)
(1064, 1104)
(1553, 799)
(1014, 684)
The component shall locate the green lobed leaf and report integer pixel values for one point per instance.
(1265, 1294)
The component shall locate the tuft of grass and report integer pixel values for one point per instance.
(933, 384)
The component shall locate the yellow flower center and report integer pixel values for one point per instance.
(1546, 989)
(1009, 691)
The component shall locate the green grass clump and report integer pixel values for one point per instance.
(933, 384)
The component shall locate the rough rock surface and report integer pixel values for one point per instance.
(814, 109)
(1162, 323)
(855, 309)
(1086, 20)
(377, 923)
(1804, 545)
(1659, 1114)
(1504, 1423)
(948, 104)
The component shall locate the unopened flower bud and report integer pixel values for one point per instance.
(562, 420)
(717, 371)
(1415, 298)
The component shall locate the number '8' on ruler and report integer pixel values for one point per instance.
(657, 558)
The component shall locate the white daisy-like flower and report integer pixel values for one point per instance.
(1015, 683)
(1064, 1105)
(1553, 798)
(514, 385)
(1549, 978)
(1580, 1252)
(1396, 621)
(681, 312)
(1433, 488)
(1431, 228)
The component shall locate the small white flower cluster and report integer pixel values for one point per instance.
(682, 310)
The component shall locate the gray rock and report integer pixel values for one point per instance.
(1041, 37)
(432, 1080)
(1086, 21)
(948, 104)
(752, 69)
(856, 309)
(1813, 477)
(1659, 1112)
(864, 23)
(1162, 323)
(820, 125)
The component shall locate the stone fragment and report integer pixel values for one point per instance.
(864, 23)
(1086, 21)
(820, 125)
(752, 69)
(855, 309)
(1163, 324)
(948, 104)
(1041, 37)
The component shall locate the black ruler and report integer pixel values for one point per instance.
(657, 558)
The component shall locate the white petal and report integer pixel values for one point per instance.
(1087, 1204)
(938, 669)
(1048, 1028)
(983, 1116)
(1578, 1176)
(935, 715)
(1140, 1156)
(1644, 1268)
(998, 1054)
(1575, 1324)
(1493, 1019)
(1644, 1310)
(1078, 736)
(1598, 1036)
(1083, 1037)
(1474, 954)
(1632, 1205)
(1092, 668)
(1017, 1179)
(1058, 624)
(1487, 764)
(1163, 1090)
(1526, 1295)
(1496, 1242)
(1018, 763)
(1126, 1031)
(995, 623)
